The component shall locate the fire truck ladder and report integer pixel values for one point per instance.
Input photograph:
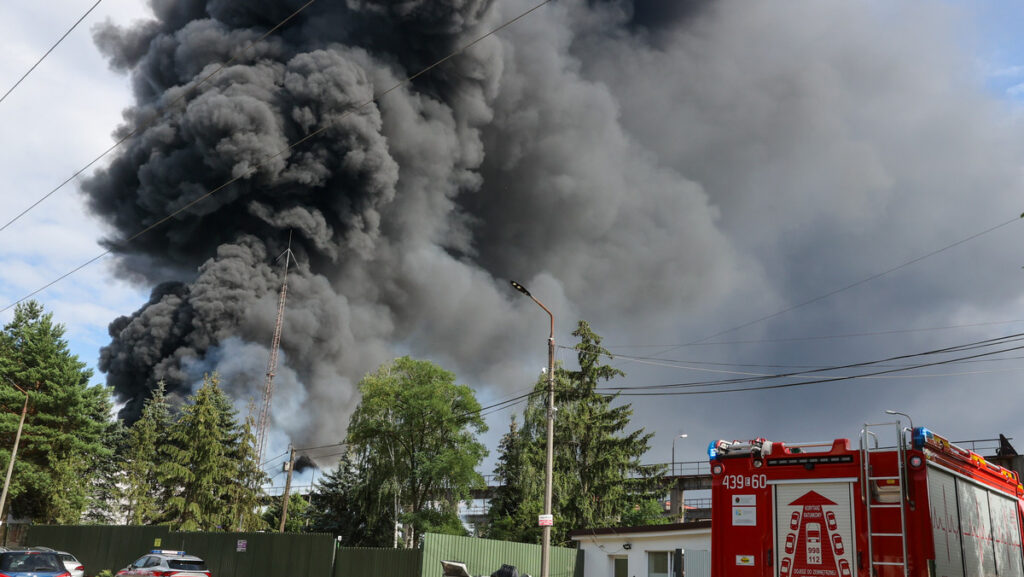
(868, 480)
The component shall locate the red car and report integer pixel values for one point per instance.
(784, 569)
(830, 520)
(837, 544)
(844, 568)
(794, 521)
(790, 543)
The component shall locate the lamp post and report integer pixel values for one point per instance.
(545, 545)
(888, 412)
(683, 436)
(14, 453)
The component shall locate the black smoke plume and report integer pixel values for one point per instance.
(409, 214)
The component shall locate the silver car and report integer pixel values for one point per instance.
(163, 563)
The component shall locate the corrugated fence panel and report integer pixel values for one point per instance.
(264, 554)
(697, 563)
(98, 547)
(485, 556)
(367, 562)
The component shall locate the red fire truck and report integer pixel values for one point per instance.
(922, 507)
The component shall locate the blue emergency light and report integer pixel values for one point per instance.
(921, 436)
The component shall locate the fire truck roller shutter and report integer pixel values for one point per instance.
(823, 543)
(975, 530)
(945, 523)
(979, 522)
(1006, 533)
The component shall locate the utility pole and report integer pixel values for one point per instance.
(14, 453)
(547, 520)
(287, 488)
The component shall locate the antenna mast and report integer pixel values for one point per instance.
(268, 385)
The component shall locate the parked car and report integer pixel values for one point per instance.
(163, 563)
(32, 564)
(71, 563)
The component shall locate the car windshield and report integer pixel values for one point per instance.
(30, 562)
(187, 565)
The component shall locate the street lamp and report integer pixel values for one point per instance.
(888, 412)
(545, 545)
(683, 436)
(14, 452)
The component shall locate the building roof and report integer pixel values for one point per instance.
(641, 529)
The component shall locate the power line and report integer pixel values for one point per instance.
(817, 381)
(946, 350)
(156, 116)
(849, 286)
(43, 57)
(816, 337)
(256, 165)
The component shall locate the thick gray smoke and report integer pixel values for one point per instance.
(409, 214)
(663, 169)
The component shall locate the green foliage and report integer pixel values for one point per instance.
(145, 456)
(414, 438)
(646, 512)
(513, 511)
(62, 445)
(245, 490)
(200, 467)
(598, 479)
(298, 508)
(337, 506)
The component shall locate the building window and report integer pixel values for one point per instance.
(659, 564)
(621, 567)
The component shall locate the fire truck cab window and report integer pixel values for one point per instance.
(659, 563)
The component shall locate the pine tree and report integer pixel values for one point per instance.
(108, 478)
(513, 511)
(200, 466)
(245, 491)
(598, 479)
(64, 430)
(146, 454)
(336, 506)
(298, 518)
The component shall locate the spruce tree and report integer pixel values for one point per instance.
(245, 489)
(512, 515)
(336, 506)
(598, 479)
(67, 421)
(146, 455)
(200, 467)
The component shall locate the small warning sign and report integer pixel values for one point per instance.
(241, 546)
(545, 520)
(745, 560)
(157, 542)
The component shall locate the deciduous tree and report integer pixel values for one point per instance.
(414, 434)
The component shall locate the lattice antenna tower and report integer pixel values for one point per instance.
(263, 426)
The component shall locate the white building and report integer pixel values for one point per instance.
(675, 550)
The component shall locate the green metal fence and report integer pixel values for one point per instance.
(485, 556)
(366, 562)
(297, 554)
(261, 554)
(226, 554)
(98, 547)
